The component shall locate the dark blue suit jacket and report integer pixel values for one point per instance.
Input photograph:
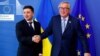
(24, 35)
(68, 40)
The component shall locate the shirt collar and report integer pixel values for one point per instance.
(66, 18)
(30, 21)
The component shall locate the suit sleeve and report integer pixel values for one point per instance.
(48, 30)
(40, 43)
(82, 37)
(22, 38)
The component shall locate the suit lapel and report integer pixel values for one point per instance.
(27, 26)
(59, 25)
(35, 25)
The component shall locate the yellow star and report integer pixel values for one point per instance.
(83, 18)
(87, 26)
(79, 53)
(88, 35)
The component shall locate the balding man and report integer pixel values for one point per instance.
(66, 30)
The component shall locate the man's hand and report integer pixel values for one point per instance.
(40, 54)
(36, 38)
(87, 54)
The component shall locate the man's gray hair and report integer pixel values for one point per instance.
(64, 3)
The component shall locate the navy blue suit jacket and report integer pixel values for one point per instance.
(68, 40)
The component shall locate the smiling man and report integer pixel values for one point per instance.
(25, 30)
(66, 29)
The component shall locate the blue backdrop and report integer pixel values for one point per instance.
(8, 41)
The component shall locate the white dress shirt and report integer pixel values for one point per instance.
(64, 23)
(32, 23)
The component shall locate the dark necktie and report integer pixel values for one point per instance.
(30, 25)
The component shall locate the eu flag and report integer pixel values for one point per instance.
(6, 9)
(44, 15)
(80, 11)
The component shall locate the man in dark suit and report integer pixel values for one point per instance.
(66, 30)
(25, 30)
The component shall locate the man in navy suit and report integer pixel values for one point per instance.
(25, 30)
(66, 30)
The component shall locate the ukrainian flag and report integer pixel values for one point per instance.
(44, 15)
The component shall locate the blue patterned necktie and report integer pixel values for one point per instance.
(63, 25)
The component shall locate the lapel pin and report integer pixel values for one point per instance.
(69, 21)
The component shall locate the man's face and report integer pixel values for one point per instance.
(64, 10)
(28, 14)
